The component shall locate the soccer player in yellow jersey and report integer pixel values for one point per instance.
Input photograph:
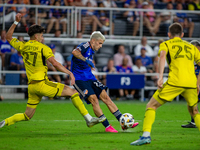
(197, 70)
(34, 55)
(182, 80)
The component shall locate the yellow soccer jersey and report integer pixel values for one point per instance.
(181, 56)
(34, 56)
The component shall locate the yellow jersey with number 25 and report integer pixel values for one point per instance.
(34, 56)
(181, 56)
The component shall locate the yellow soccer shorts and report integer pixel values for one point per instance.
(43, 88)
(169, 92)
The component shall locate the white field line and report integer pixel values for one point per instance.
(109, 120)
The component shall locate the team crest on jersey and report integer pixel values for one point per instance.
(85, 91)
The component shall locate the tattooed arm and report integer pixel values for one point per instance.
(78, 55)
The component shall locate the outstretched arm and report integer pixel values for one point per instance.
(61, 68)
(161, 68)
(12, 28)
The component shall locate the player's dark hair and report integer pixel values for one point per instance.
(176, 29)
(35, 29)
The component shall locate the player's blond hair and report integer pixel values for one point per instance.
(97, 35)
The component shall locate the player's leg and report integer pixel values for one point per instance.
(78, 103)
(91, 98)
(191, 97)
(150, 114)
(193, 110)
(99, 113)
(190, 124)
(32, 103)
(20, 116)
(166, 94)
(112, 107)
(98, 90)
(149, 119)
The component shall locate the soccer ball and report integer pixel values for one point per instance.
(126, 121)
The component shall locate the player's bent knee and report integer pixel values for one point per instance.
(27, 118)
(67, 91)
(93, 100)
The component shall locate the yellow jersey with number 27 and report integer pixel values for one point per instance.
(34, 56)
(181, 56)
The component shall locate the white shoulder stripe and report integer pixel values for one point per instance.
(86, 45)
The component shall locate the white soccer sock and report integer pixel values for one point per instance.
(146, 134)
(88, 117)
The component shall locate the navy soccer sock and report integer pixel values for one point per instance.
(192, 119)
(105, 123)
(117, 114)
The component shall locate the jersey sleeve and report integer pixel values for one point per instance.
(16, 44)
(47, 52)
(163, 47)
(83, 47)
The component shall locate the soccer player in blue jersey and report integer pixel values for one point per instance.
(81, 67)
(197, 68)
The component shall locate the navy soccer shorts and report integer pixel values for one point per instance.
(92, 87)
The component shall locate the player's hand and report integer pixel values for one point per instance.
(18, 17)
(90, 64)
(72, 78)
(160, 83)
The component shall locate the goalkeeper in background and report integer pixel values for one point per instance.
(34, 55)
(197, 69)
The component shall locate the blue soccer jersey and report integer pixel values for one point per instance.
(197, 68)
(79, 68)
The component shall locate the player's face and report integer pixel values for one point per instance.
(97, 44)
(40, 37)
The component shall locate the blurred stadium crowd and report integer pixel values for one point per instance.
(121, 21)
(112, 58)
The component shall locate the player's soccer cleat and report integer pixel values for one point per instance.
(133, 126)
(2, 123)
(190, 125)
(142, 140)
(111, 129)
(95, 121)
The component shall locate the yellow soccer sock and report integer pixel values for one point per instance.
(149, 119)
(79, 104)
(197, 120)
(16, 118)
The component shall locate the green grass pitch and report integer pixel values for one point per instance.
(57, 125)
